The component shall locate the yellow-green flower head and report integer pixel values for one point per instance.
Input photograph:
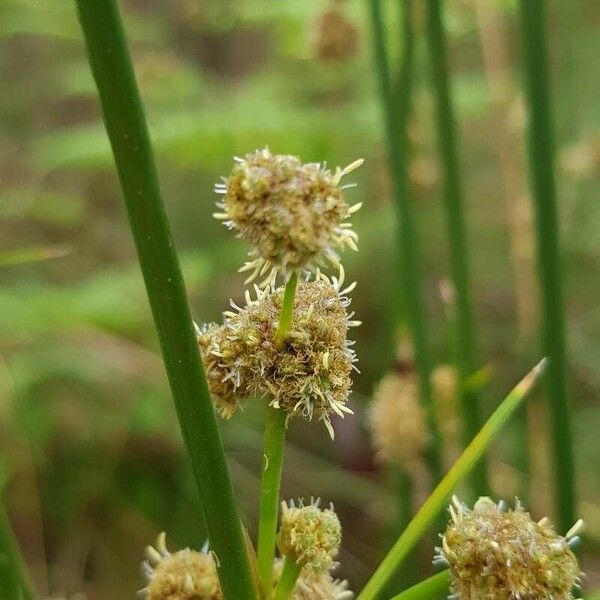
(309, 535)
(397, 422)
(495, 554)
(293, 214)
(309, 376)
(314, 586)
(183, 575)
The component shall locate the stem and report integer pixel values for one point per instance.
(541, 157)
(15, 580)
(287, 581)
(461, 468)
(406, 240)
(465, 338)
(285, 319)
(126, 126)
(273, 458)
(269, 495)
(428, 589)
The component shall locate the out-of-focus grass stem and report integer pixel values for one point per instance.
(126, 127)
(453, 201)
(541, 160)
(395, 131)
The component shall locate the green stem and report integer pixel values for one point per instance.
(15, 580)
(269, 495)
(461, 468)
(395, 129)
(541, 157)
(429, 589)
(287, 581)
(126, 126)
(285, 319)
(464, 323)
(273, 457)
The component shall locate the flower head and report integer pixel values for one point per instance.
(314, 586)
(293, 214)
(309, 376)
(397, 421)
(337, 37)
(504, 555)
(183, 575)
(310, 535)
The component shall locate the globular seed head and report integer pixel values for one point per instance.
(397, 422)
(293, 214)
(308, 376)
(336, 37)
(183, 575)
(314, 586)
(310, 535)
(445, 388)
(495, 554)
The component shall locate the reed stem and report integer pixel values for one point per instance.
(287, 581)
(453, 196)
(395, 130)
(541, 161)
(126, 127)
(429, 589)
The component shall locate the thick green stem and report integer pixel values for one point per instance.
(541, 157)
(461, 468)
(285, 320)
(269, 495)
(429, 589)
(395, 129)
(287, 581)
(15, 580)
(126, 126)
(465, 338)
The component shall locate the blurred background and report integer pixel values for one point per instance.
(91, 460)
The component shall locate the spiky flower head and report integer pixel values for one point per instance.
(293, 214)
(309, 376)
(310, 535)
(183, 575)
(495, 554)
(314, 586)
(397, 421)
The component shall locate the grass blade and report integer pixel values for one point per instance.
(431, 588)
(461, 468)
(126, 126)
(541, 159)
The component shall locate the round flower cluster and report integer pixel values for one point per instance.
(397, 421)
(310, 535)
(293, 214)
(314, 586)
(308, 376)
(183, 575)
(498, 555)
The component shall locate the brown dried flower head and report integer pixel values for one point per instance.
(309, 376)
(310, 535)
(183, 575)
(495, 554)
(314, 586)
(293, 214)
(397, 421)
(337, 37)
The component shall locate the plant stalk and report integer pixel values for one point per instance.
(429, 589)
(287, 581)
(461, 468)
(453, 196)
(541, 160)
(126, 127)
(285, 319)
(395, 129)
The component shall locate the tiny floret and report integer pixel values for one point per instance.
(183, 575)
(308, 376)
(310, 535)
(397, 422)
(293, 214)
(495, 554)
(314, 586)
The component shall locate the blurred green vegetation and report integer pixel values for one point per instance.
(90, 455)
